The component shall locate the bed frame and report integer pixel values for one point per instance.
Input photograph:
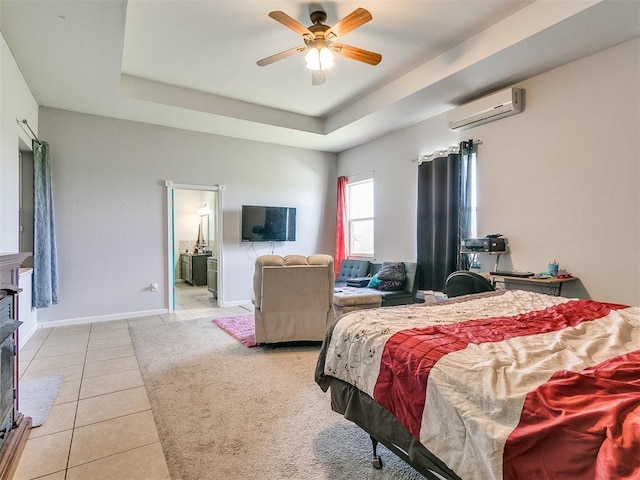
(383, 428)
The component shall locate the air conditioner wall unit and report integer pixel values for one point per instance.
(486, 109)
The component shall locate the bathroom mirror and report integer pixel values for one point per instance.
(204, 229)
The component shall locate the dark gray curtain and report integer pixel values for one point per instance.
(438, 220)
(45, 256)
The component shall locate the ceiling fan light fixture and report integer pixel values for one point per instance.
(313, 59)
(326, 58)
(319, 58)
(319, 42)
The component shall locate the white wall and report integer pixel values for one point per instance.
(561, 180)
(16, 102)
(110, 201)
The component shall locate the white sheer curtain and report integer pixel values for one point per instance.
(467, 222)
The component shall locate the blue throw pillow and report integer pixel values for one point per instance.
(374, 282)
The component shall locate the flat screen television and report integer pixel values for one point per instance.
(268, 224)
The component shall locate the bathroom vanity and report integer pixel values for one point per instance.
(212, 276)
(193, 268)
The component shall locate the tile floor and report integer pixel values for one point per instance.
(100, 426)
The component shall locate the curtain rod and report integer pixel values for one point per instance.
(441, 153)
(24, 121)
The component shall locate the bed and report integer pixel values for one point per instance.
(500, 385)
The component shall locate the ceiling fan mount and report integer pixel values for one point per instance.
(320, 39)
(318, 29)
(318, 17)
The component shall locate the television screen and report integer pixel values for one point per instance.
(268, 224)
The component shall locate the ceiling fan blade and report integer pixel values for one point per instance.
(294, 25)
(355, 53)
(358, 17)
(281, 55)
(317, 77)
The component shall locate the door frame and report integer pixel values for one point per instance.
(169, 254)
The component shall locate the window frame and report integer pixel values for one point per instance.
(350, 221)
(473, 214)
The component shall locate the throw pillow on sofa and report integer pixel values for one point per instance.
(387, 285)
(391, 285)
(392, 271)
(374, 282)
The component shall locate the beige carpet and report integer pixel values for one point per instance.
(225, 411)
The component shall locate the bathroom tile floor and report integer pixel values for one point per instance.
(100, 426)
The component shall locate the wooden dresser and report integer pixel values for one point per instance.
(14, 427)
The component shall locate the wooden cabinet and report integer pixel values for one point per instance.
(14, 427)
(212, 276)
(28, 314)
(185, 267)
(194, 268)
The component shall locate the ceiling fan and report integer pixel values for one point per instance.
(319, 42)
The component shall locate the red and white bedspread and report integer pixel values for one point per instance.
(519, 385)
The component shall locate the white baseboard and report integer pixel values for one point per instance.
(237, 303)
(101, 318)
(24, 336)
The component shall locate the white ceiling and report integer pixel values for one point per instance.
(192, 64)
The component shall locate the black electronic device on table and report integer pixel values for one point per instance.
(512, 273)
(488, 244)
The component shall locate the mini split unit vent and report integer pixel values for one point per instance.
(486, 109)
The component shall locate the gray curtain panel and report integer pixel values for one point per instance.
(45, 257)
(444, 215)
(438, 220)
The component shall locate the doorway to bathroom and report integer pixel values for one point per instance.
(194, 254)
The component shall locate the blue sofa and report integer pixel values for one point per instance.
(351, 269)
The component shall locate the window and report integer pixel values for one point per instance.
(360, 218)
(473, 217)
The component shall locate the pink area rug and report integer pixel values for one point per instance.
(242, 328)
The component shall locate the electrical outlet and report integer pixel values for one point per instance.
(154, 287)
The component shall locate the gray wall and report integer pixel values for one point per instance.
(111, 207)
(560, 180)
